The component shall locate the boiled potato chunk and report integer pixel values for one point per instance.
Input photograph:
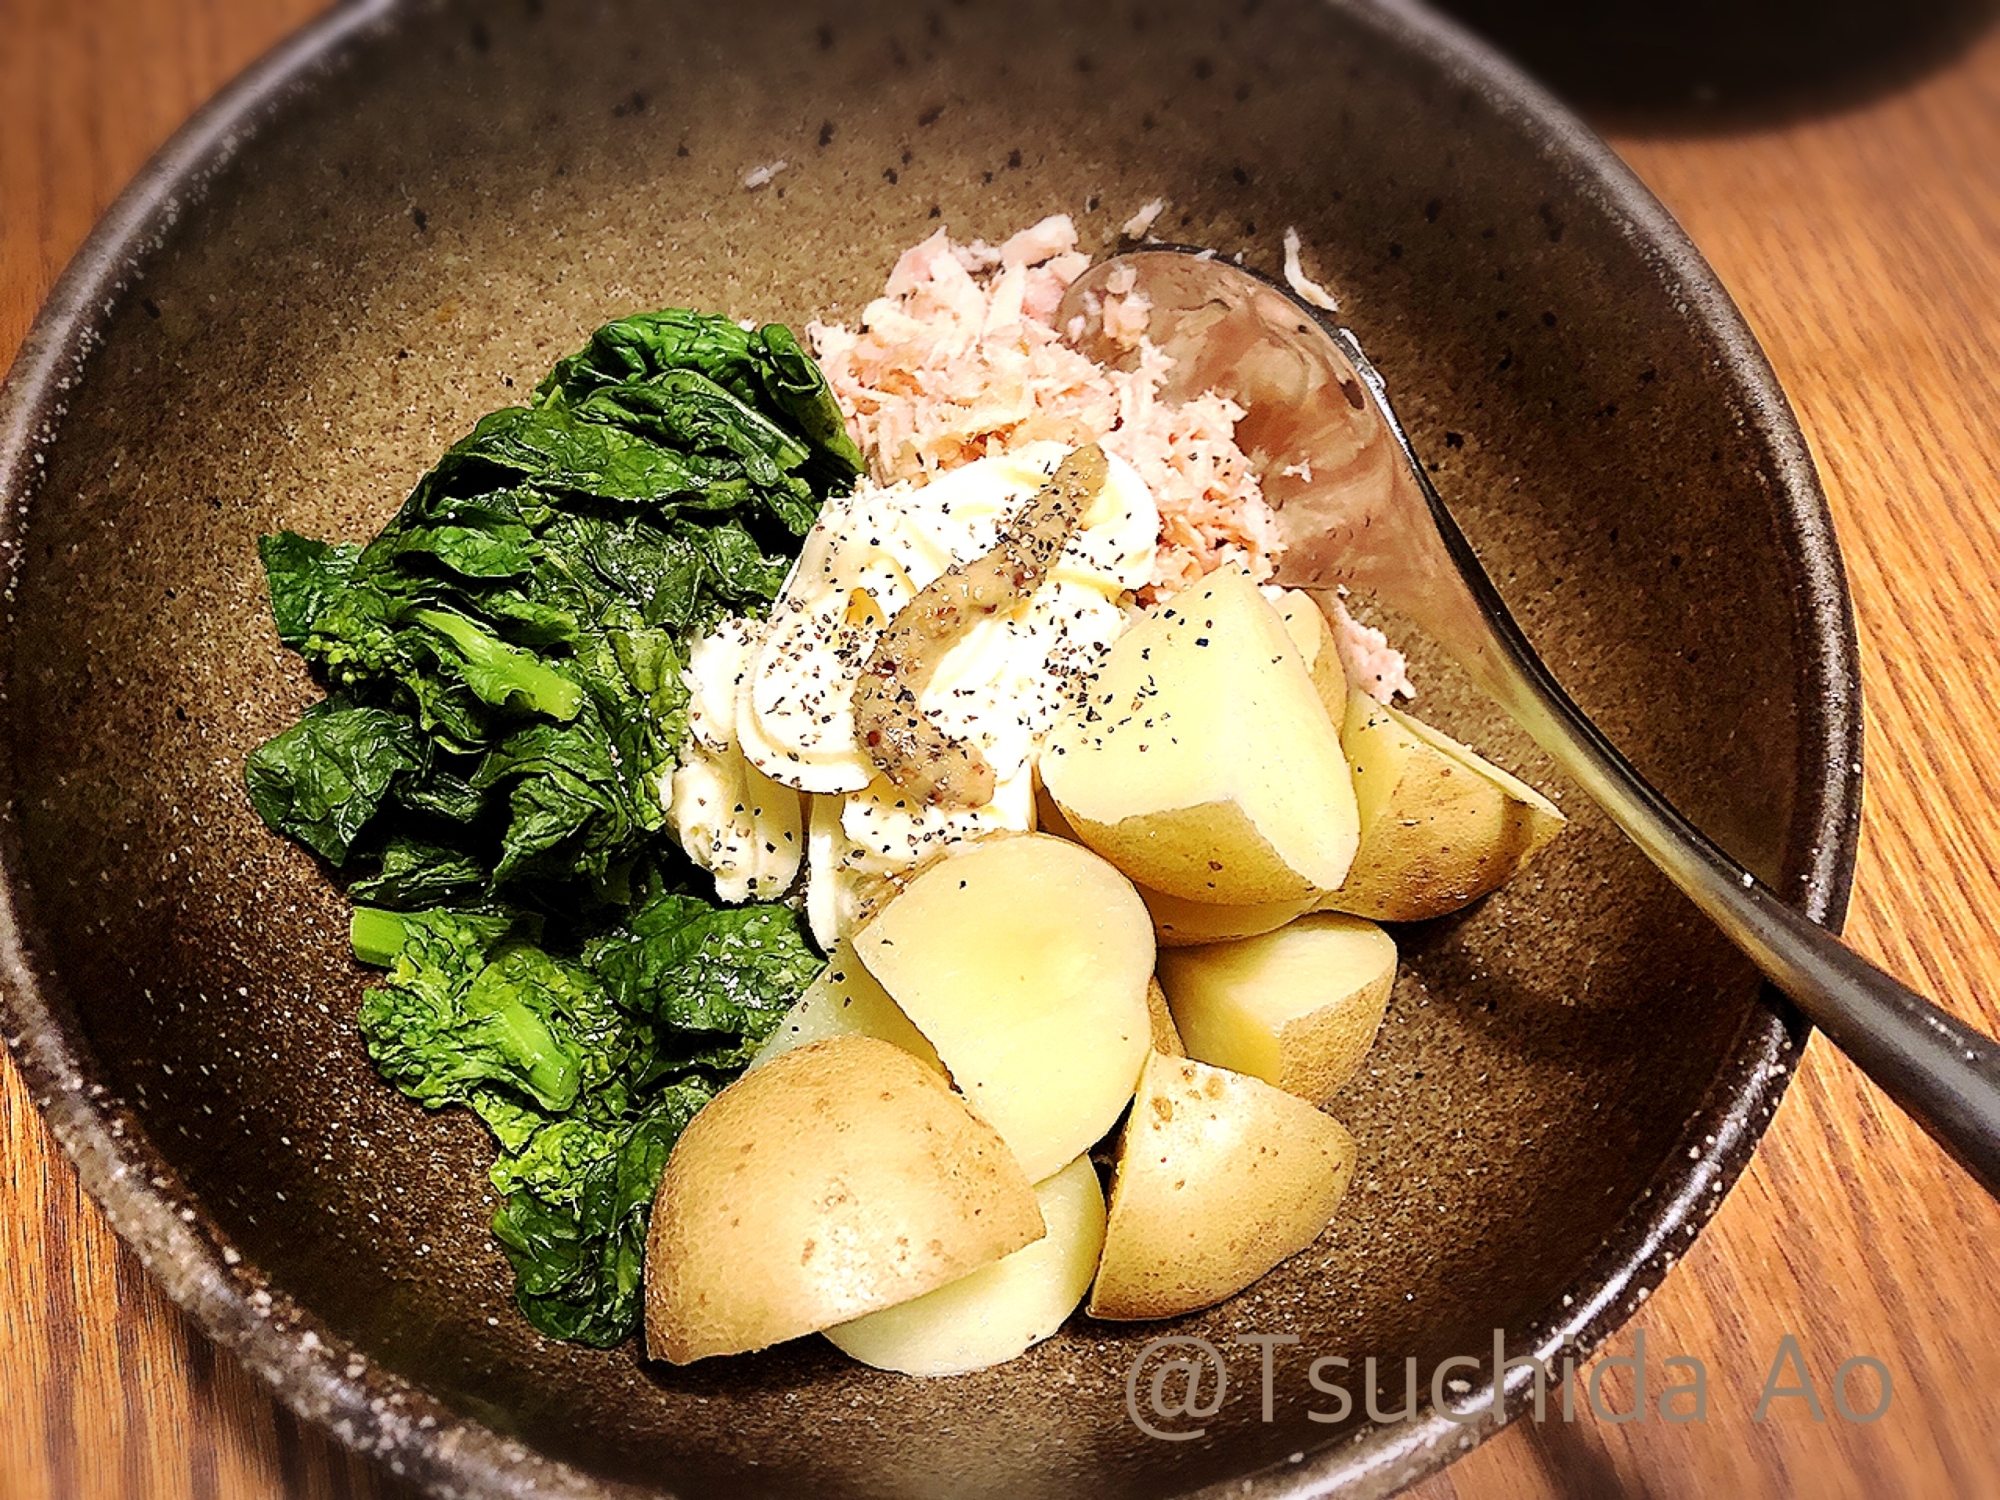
(1202, 762)
(1298, 1007)
(1024, 962)
(1220, 1176)
(1306, 623)
(845, 1000)
(998, 1311)
(1178, 923)
(1440, 827)
(838, 1179)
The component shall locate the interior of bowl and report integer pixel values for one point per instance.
(411, 242)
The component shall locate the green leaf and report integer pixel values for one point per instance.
(699, 968)
(323, 779)
(571, 812)
(797, 388)
(506, 657)
(499, 550)
(304, 577)
(557, 451)
(414, 874)
(574, 1222)
(636, 349)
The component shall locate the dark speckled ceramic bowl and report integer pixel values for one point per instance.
(399, 220)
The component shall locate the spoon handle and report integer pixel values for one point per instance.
(1943, 1073)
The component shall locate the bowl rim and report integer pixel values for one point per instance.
(322, 1377)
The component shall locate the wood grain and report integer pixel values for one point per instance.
(1865, 249)
(106, 1390)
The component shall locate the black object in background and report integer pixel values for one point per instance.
(1724, 62)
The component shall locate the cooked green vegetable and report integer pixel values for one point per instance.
(490, 768)
(576, 1229)
(452, 1022)
(322, 779)
(585, 1071)
(505, 656)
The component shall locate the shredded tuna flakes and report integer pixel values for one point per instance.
(1296, 278)
(1372, 664)
(1141, 224)
(959, 359)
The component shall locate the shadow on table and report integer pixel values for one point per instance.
(1693, 66)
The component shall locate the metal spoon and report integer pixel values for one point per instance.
(1357, 509)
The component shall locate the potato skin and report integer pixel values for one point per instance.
(1210, 851)
(837, 1179)
(1440, 826)
(1220, 1177)
(1306, 623)
(1166, 1036)
(1298, 1007)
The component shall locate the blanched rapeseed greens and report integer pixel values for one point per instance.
(488, 771)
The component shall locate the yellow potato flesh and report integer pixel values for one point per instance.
(1203, 763)
(838, 1179)
(1440, 827)
(845, 1000)
(1220, 1177)
(1306, 623)
(1179, 924)
(999, 1310)
(1298, 1007)
(1024, 962)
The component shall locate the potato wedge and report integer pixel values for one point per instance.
(1440, 827)
(1202, 762)
(1000, 1310)
(1306, 623)
(1220, 1176)
(1298, 1007)
(845, 1000)
(838, 1179)
(1181, 924)
(1024, 961)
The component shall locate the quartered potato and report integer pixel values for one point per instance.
(836, 1180)
(1000, 1310)
(1298, 1007)
(1440, 827)
(1220, 1176)
(1202, 762)
(1024, 962)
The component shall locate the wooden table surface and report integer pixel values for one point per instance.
(1864, 247)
